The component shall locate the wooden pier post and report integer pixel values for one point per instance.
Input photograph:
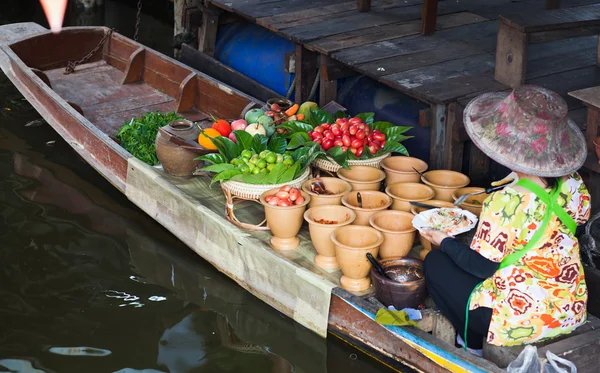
(207, 34)
(364, 5)
(306, 72)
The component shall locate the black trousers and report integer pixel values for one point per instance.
(450, 287)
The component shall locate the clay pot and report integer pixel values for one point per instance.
(320, 232)
(409, 289)
(445, 182)
(284, 222)
(337, 186)
(404, 193)
(468, 204)
(177, 146)
(416, 210)
(371, 203)
(398, 232)
(362, 177)
(399, 169)
(352, 243)
(597, 146)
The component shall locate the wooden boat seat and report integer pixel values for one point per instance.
(581, 346)
(516, 31)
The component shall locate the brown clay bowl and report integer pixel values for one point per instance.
(284, 222)
(352, 243)
(322, 222)
(417, 210)
(372, 202)
(362, 177)
(337, 186)
(408, 291)
(473, 203)
(398, 232)
(404, 193)
(399, 169)
(445, 182)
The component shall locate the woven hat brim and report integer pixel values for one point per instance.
(514, 163)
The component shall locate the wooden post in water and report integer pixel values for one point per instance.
(364, 5)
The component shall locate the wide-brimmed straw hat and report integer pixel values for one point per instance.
(526, 130)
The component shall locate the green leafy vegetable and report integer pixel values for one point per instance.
(138, 135)
(277, 144)
(366, 117)
(244, 139)
(259, 143)
(214, 158)
(298, 139)
(219, 167)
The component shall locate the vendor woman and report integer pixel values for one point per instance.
(522, 279)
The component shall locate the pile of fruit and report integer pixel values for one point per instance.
(251, 163)
(285, 197)
(350, 134)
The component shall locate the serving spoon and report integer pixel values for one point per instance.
(487, 190)
(378, 266)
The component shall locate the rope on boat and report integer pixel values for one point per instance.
(313, 90)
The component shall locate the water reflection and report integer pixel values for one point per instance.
(91, 284)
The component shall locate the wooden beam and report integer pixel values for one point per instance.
(552, 4)
(135, 67)
(429, 16)
(306, 72)
(592, 124)
(225, 74)
(446, 151)
(327, 85)
(511, 56)
(364, 5)
(207, 34)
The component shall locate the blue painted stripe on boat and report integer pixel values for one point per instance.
(424, 344)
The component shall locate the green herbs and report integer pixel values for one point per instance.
(138, 135)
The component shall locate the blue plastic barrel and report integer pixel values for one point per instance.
(255, 52)
(363, 94)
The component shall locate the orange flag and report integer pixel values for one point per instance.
(55, 13)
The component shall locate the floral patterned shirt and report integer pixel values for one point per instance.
(544, 294)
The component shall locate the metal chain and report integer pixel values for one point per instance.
(72, 65)
(137, 20)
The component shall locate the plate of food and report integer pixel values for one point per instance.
(452, 221)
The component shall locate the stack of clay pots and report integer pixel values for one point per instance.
(356, 217)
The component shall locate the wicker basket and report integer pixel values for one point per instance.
(237, 192)
(329, 165)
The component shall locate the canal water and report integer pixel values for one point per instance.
(89, 283)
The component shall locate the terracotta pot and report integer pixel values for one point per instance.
(468, 204)
(416, 210)
(320, 232)
(177, 146)
(408, 291)
(597, 146)
(352, 243)
(404, 193)
(445, 182)
(284, 222)
(399, 169)
(362, 177)
(423, 253)
(371, 203)
(398, 232)
(337, 186)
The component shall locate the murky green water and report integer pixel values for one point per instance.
(89, 283)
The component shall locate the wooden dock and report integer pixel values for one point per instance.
(445, 69)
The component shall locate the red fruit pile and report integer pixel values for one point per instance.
(350, 134)
(285, 197)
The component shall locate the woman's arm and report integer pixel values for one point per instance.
(467, 259)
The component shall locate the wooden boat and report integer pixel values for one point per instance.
(124, 79)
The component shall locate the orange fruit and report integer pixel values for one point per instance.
(206, 136)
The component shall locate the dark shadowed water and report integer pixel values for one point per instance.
(89, 283)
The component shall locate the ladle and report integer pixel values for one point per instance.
(378, 266)
(420, 173)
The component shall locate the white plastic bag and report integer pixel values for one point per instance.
(552, 366)
(526, 362)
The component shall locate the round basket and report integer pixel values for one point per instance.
(237, 192)
(329, 165)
